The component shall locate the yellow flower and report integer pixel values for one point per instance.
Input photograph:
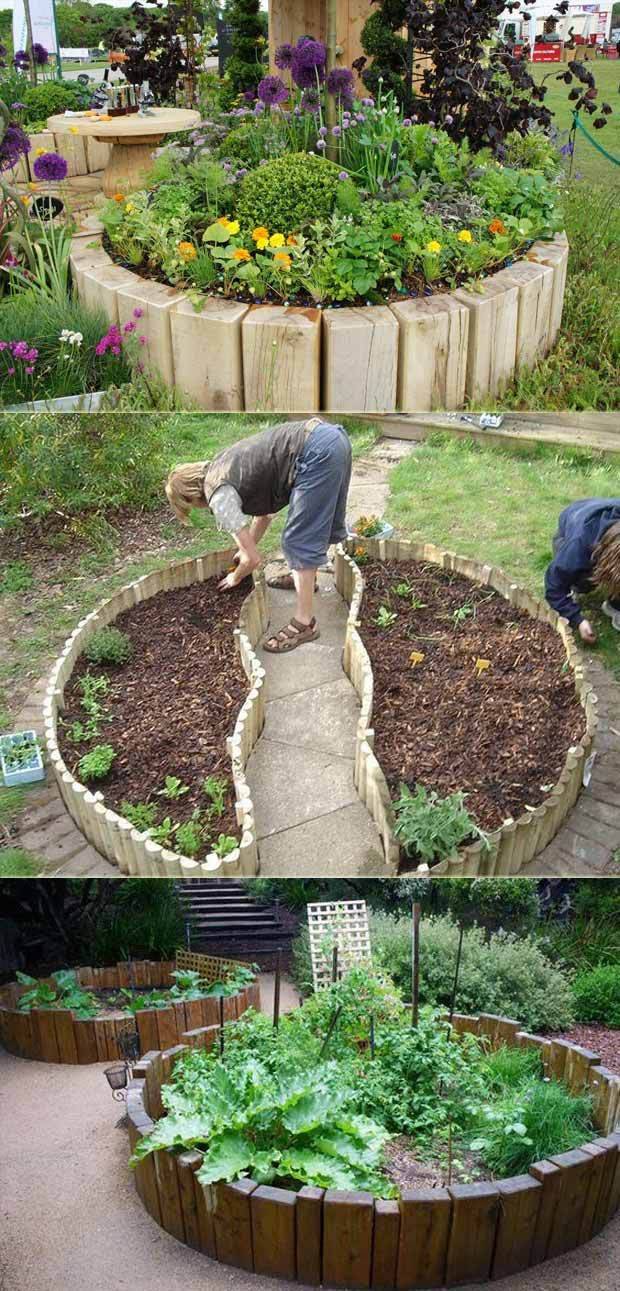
(224, 221)
(233, 227)
(25, 200)
(241, 254)
(129, 208)
(187, 251)
(277, 240)
(40, 152)
(282, 258)
(262, 243)
(33, 187)
(416, 657)
(433, 247)
(73, 130)
(259, 233)
(464, 236)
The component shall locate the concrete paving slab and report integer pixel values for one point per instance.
(289, 786)
(343, 844)
(323, 719)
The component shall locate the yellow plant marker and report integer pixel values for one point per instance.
(482, 665)
(416, 657)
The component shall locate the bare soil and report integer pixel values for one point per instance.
(500, 735)
(172, 705)
(405, 1168)
(601, 1039)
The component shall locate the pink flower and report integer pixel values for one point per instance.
(142, 340)
(129, 327)
(29, 370)
(11, 372)
(138, 313)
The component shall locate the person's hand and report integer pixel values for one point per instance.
(587, 633)
(236, 576)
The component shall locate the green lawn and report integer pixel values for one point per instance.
(587, 160)
(46, 603)
(499, 507)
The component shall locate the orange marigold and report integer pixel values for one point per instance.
(283, 259)
(497, 226)
(241, 254)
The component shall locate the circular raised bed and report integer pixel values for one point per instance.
(422, 354)
(427, 1238)
(57, 1035)
(111, 834)
(516, 841)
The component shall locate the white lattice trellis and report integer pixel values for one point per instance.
(337, 923)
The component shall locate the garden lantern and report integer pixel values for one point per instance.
(117, 1077)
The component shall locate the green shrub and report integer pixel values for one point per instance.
(96, 764)
(597, 995)
(430, 828)
(507, 903)
(500, 974)
(52, 97)
(288, 193)
(108, 645)
(145, 922)
(241, 144)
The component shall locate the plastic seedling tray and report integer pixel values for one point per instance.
(27, 770)
(385, 531)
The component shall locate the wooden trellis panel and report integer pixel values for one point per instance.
(337, 923)
(210, 967)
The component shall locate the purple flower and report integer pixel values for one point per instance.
(336, 131)
(226, 165)
(138, 313)
(248, 96)
(342, 174)
(129, 327)
(284, 57)
(18, 107)
(322, 131)
(340, 82)
(320, 143)
(29, 370)
(310, 100)
(259, 109)
(407, 121)
(50, 166)
(241, 173)
(22, 59)
(20, 349)
(272, 90)
(448, 119)
(40, 54)
(14, 145)
(308, 62)
(368, 103)
(10, 372)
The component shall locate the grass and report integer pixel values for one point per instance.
(49, 609)
(15, 863)
(587, 161)
(500, 507)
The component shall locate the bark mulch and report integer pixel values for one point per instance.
(500, 736)
(172, 705)
(601, 1039)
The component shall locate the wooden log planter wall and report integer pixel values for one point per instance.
(518, 841)
(83, 156)
(112, 835)
(56, 1035)
(419, 354)
(428, 1238)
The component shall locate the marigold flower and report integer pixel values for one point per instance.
(259, 233)
(291, 241)
(241, 254)
(261, 243)
(433, 247)
(277, 240)
(118, 197)
(187, 251)
(283, 258)
(497, 226)
(397, 237)
(464, 236)
(129, 208)
(224, 221)
(233, 227)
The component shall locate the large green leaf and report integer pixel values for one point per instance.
(227, 1156)
(308, 1113)
(173, 1132)
(318, 1169)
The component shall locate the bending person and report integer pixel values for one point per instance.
(586, 555)
(303, 464)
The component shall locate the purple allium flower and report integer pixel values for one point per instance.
(241, 173)
(272, 90)
(22, 59)
(320, 143)
(284, 57)
(18, 107)
(308, 62)
(14, 145)
(368, 103)
(259, 109)
(310, 100)
(129, 327)
(50, 166)
(407, 121)
(10, 372)
(336, 131)
(340, 82)
(249, 96)
(20, 349)
(226, 165)
(138, 313)
(40, 54)
(322, 131)
(343, 174)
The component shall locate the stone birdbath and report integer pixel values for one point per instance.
(133, 139)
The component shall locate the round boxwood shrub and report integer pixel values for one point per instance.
(597, 995)
(51, 97)
(288, 192)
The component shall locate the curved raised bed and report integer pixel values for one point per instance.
(56, 1035)
(111, 834)
(428, 1238)
(517, 841)
(423, 354)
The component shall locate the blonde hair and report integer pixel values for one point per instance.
(606, 561)
(185, 489)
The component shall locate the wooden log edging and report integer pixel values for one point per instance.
(111, 834)
(56, 1035)
(424, 354)
(518, 841)
(429, 1237)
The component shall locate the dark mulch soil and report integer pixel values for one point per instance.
(173, 704)
(406, 1169)
(501, 737)
(602, 1040)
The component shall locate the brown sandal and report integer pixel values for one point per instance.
(291, 636)
(285, 583)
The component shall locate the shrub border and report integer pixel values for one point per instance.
(517, 841)
(111, 834)
(420, 354)
(56, 1035)
(430, 1237)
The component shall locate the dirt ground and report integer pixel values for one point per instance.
(70, 1218)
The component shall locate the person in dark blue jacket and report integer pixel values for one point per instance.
(586, 555)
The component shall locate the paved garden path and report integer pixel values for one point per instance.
(70, 1217)
(309, 818)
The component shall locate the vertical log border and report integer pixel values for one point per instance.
(516, 842)
(429, 1237)
(87, 254)
(56, 1035)
(110, 833)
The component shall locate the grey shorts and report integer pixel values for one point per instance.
(317, 508)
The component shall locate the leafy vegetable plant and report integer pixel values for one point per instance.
(430, 827)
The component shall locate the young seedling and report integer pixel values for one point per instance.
(189, 835)
(225, 845)
(141, 814)
(360, 556)
(96, 764)
(430, 828)
(464, 612)
(108, 646)
(19, 755)
(173, 788)
(385, 618)
(215, 789)
(403, 590)
(164, 833)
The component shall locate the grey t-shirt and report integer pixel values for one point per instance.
(228, 510)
